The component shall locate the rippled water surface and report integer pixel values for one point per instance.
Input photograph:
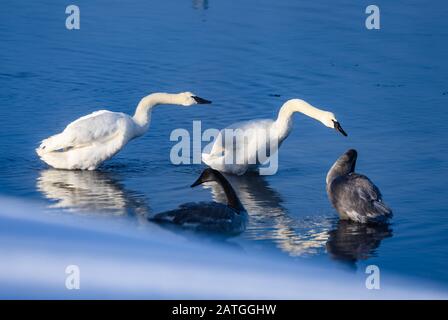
(387, 87)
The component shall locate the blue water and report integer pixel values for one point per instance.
(387, 87)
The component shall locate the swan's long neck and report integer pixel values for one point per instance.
(232, 199)
(341, 167)
(284, 119)
(142, 114)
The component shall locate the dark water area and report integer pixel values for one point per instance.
(387, 87)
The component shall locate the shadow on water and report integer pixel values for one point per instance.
(211, 238)
(350, 242)
(88, 192)
(270, 221)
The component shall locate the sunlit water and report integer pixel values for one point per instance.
(387, 87)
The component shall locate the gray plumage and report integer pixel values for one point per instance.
(204, 216)
(353, 195)
(209, 216)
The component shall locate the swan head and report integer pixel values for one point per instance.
(208, 175)
(329, 120)
(187, 99)
(348, 160)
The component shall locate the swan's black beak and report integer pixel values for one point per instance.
(337, 126)
(206, 176)
(197, 182)
(200, 100)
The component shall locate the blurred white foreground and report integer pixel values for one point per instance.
(120, 260)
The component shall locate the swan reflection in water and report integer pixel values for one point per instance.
(270, 221)
(90, 192)
(102, 192)
(200, 4)
(350, 241)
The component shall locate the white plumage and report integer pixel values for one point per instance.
(259, 139)
(90, 140)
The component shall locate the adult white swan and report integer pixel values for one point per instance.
(95, 138)
(260, 138)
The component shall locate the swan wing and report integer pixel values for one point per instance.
(97, 127)
(356, 193)
(371, 196)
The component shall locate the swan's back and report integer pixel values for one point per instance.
(204, 216)
(355, 197)
(99, 126)
(245, 145)
(92, 115)
(88, 141)
(262, 124)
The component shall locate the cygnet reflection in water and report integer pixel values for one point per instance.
(90, 192)
(269, 220)
(350, 241)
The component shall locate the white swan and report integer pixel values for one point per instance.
(95, 138)
(259, 136)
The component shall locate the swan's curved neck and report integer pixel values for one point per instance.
(340, 168)
(142, 114)
(232, 198)
(284, 119)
